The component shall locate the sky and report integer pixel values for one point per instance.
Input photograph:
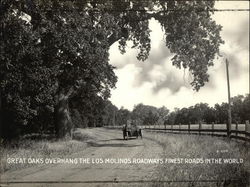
(156, 82)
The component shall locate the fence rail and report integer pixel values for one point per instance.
(241, 131)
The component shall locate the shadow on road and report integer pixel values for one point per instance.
(114, 139)
(118, 139)
(95, 144)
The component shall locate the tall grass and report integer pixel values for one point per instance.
(42, 148)
(186, 146)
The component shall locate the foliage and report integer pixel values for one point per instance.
(148, 115)
(55, 53)
(218, 114)
(109, 114)
(123, 115)
(143, 114)
(193, 37)
(45, 54)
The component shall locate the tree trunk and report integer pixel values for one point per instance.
(63, 123)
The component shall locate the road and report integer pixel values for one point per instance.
(107, 144)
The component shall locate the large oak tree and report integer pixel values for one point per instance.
(55, 51)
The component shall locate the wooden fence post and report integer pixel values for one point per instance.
(236, 128)
(179, 127)
(212, 128)
(188, 128)
(171, 127)
(228, 129)
(199, 128)
(247, 127)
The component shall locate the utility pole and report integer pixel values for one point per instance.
(229, 102)
(0, 107)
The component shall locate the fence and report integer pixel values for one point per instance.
(237, 131)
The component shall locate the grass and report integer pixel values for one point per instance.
(27, 148)
(190, 146)
(174, 146)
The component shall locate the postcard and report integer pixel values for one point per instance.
(124, 93)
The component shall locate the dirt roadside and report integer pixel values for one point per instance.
(108, 144)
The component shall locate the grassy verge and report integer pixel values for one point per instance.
(205, 147)
(27, 148)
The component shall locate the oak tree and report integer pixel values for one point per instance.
(55, 51)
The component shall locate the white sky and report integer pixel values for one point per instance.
(156, 82)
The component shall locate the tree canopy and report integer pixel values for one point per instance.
(54, 53)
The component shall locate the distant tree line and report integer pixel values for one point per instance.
(202, 112)
(141, 114)
(218, 114)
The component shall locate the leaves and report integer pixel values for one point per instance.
(51, 46)
(194, 37)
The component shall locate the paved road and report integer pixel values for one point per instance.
(107, 144)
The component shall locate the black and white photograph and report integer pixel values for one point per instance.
(123, 93)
